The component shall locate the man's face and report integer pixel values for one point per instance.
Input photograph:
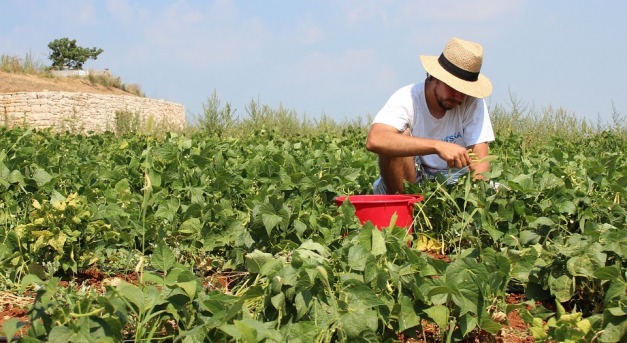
(446, 96)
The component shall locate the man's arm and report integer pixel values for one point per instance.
(388, 141)
(481, 150)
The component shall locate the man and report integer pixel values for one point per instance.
(429, 127)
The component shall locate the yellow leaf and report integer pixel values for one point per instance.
(58, 242)
(19, 230)
(425, 243)
(584, 326)
(72, 200)
(488, 158)
(60, 206)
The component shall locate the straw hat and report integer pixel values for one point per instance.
(459, 66)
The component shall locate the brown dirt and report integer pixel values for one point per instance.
(13, 306)
(13, 83)
(514, 329)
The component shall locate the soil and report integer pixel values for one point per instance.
(14, 83)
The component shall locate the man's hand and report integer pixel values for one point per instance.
(456, 156)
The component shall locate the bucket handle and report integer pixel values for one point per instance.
(415, 198)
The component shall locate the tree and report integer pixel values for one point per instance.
(65, 53)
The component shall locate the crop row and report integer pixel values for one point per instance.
(180, 210)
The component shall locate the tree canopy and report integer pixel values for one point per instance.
(65, 53)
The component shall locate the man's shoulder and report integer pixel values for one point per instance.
(409, 91)
(469, 101)
(405, 89)
(472, 104)
(417, 87)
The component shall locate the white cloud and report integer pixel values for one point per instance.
(121, 10)
(344, 84)
(360, 12)
(199, 36)
(413, 13)
(334, 67)
(309, 32)
(86, 13)
(462, 11)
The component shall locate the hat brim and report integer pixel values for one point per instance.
(478, 89)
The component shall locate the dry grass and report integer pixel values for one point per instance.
(28, 65)
(15, 300)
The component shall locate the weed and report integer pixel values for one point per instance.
(26, 65)
(127, 122)
(72, 123)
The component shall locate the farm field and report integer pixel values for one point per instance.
(233, 234)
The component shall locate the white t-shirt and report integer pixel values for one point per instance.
(466, 124)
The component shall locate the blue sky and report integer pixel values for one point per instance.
(338, 58)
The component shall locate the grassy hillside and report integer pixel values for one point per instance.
(26, 75)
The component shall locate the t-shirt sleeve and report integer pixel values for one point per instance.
(477, 126)
(397, 111)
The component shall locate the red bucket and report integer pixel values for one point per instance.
(379, 209)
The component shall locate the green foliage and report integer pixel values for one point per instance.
(65, 53)
(127, 122)
(175, 211)
(215, 119)
(537, 126)
(59, 229)
(222, 121)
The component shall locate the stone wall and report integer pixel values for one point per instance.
(86, 112)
